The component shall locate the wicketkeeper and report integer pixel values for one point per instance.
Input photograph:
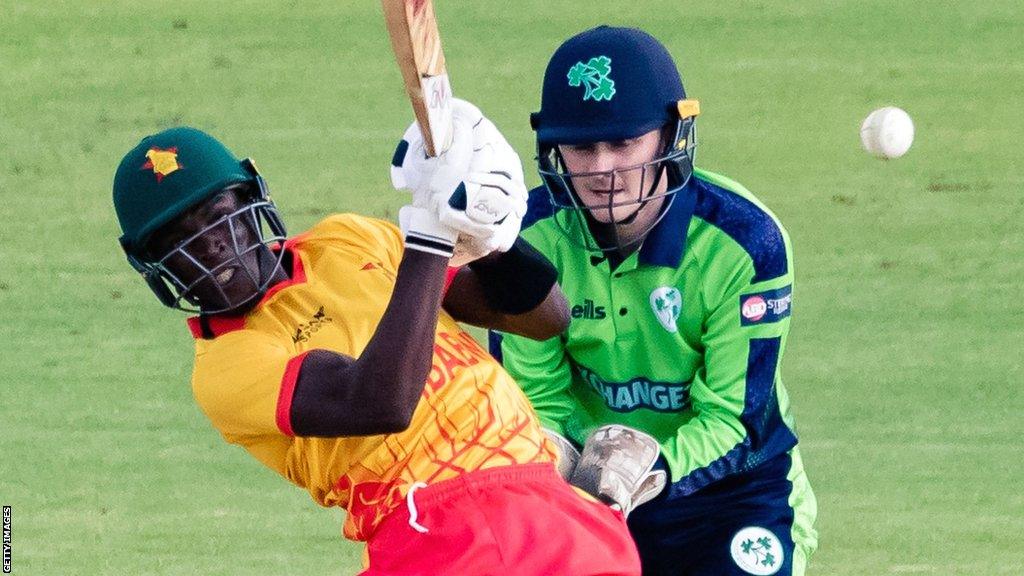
(680, 284)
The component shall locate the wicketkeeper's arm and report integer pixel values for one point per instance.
(542, 370)
(740, 413)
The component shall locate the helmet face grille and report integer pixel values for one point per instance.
(610, 84)
(177, 276)
(602, 227)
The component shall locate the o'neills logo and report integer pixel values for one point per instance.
(588, 311)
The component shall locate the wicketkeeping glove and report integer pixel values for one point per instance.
(568, 455)
(617, 467)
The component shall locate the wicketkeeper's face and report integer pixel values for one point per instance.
(614, 179)
(210, 251)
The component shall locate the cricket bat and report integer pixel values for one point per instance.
(417, 45)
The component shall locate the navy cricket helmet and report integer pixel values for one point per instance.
(610, 84)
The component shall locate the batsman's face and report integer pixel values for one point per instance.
(212, 251)
(614, 179)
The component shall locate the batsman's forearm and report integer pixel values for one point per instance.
(397, 360)
(514, 292)
(337, 395)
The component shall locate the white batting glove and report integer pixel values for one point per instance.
(492, 190)
(422, 231)
(617, 467)
(476, 187)
(413, 170)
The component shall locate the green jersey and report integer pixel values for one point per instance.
(683, 339)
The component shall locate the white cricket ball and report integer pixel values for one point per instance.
(887, 132)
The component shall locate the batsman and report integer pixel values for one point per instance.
(680, 287)
(334, 357)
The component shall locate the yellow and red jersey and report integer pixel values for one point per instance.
(471, 415)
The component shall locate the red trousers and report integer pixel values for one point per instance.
(508, 521)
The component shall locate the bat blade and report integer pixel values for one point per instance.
(416, 41)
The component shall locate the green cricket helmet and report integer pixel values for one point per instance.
(166, 175)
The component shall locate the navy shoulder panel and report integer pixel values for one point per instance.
(767, 435)
(494, 339)
(746, 223)
(538, 206)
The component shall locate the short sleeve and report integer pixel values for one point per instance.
(244, 383)
(379, 239)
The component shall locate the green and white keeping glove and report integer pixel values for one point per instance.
(617, 467)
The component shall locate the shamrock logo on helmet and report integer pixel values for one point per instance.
(593, 75)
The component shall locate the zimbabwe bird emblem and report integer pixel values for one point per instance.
(162, 161)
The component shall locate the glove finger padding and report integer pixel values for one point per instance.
(466, 111)
(493, 154)
(405, 173)
(476, 187)
(568, 455)
(486, 135)
(480, 204)
(413, 170)
(617, 467)
(512, 199)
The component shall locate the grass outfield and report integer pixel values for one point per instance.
(905, 361)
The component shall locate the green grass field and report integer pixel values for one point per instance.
(904, 365)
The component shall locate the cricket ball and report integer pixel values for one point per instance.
(887, 133)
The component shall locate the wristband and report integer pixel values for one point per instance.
(424, 233)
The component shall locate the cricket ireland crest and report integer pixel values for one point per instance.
(593, 75)
(757, 551)
(667, 303)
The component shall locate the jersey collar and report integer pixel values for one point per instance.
(205, 327)
(666, 243)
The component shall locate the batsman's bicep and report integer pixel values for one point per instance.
(321, 401)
